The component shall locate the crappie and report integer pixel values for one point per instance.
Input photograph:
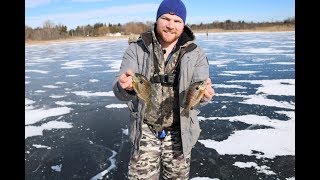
(142, 87)
(193, 96)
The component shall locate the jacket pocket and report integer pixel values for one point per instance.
(194, 116)
(194, 126)
(190, 131)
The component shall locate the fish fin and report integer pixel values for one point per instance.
(185, 112)
(196, 105)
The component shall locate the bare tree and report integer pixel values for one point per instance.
(104, 30)
(48, 28)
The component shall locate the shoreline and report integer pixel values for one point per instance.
(74, 39)
(83, 39)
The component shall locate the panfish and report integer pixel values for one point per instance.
(142, 87)
(193, 96)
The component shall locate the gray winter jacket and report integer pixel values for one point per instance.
(194, 67)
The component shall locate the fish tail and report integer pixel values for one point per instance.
(185, 112)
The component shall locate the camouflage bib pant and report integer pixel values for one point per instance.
(155, 153)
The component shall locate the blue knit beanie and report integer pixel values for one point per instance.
(175, 7)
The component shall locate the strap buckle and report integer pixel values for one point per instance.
(165, 79)
(168, 79)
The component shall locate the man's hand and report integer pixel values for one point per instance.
(209, 91)
(125, 80)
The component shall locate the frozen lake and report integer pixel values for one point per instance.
(75, 128)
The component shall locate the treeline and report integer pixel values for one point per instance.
(50, 31)
(241, 25)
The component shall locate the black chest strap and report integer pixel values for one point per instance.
(172, 78)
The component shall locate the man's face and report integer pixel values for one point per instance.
(169, 28)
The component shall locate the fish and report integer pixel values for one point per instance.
(142, 86)
(194, 94)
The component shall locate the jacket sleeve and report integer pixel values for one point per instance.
(201, 71)
(129, 61)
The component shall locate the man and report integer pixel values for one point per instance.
(162, 139)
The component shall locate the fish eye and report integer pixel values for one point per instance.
(141, 82)
(197, 88)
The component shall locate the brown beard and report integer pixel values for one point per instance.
(163, 38)
(168, 31)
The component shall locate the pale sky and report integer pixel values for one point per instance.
(73, 13)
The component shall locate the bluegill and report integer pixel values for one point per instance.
(142, 87)
(193, 96)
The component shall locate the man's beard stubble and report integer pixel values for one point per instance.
(168, 40)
